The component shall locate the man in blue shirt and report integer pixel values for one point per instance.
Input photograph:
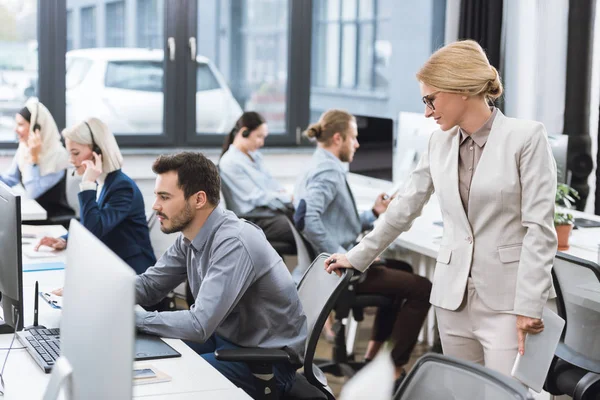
(244, 294)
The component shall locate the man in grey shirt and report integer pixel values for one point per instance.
(244, 294)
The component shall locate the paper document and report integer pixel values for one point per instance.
(532, 367)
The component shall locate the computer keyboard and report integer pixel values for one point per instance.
(43, 345)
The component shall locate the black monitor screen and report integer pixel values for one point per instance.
(374, 157)
(11, 272)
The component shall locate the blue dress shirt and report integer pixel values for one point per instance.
(35, 185)
(249, 182)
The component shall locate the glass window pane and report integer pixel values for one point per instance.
(150, 24)
(349, 55)
(88, 27)
(331, 59)
(365, 57)
(365, 9)
(349, 10)
(244, 47)
(121, 82)
(115, 24)
(69, 30)
(205, 78)
(18, 61)
(145, 76)
(332, 10)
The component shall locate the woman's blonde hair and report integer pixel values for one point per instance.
(462, 67)
(330, 123)
(82, 132)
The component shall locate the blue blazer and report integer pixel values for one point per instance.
(118, 219)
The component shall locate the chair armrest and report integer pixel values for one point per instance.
(257, 214)
(254, 355)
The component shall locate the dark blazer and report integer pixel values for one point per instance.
(118, 219)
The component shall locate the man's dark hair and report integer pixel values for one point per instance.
(195, 173)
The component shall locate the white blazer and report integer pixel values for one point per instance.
(507, 242)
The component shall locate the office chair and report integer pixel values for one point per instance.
(318, 292)
(575, 369)
(282, 248)
(341, 363)
(438, 377)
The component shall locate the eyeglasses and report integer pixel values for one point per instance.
(428, 100)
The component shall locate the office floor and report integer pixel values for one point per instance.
(324, 350)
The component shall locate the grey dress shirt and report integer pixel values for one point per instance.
(249, 183)
(332, 222)
(470, 151)
(244, 293)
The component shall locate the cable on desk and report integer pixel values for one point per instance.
(6, 358)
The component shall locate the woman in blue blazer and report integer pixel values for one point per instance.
(111, 204)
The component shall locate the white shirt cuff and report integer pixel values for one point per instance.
(87, 186)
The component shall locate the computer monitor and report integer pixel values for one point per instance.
(11, 271)
(414, 131)
(375, 157)
(559, 144)
(97, 324)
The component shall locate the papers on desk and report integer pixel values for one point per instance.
(43, 252)
(144, 374)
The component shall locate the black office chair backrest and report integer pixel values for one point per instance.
(318, 292)
(227, 198)
(435, 376)
(577, 284)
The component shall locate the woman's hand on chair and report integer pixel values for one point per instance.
(336, 262)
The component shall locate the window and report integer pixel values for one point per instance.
(348, 50)
(88, 27)
(18, 61)
(144, 76)
(69, 30)
(256, 32)
(115, 24)
(205, 79)
(77, 68)
(149, 24)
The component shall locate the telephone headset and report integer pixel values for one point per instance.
(95, 147)
(246, 132)
(37, 126)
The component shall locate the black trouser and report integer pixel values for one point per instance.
(276, 229)
(402, 320)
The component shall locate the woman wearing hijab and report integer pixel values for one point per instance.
(112, 206)
(41, 160)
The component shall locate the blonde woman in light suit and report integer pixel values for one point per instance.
(495, 180)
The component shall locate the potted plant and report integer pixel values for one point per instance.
(563, 220)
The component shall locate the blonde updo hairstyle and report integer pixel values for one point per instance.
(330, 123)
(462, 67)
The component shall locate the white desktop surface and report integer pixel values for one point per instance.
(191, 375)
(32, 211)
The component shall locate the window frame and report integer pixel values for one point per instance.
(109, 23)
(83, 25)
(341, 22)
(179, 116)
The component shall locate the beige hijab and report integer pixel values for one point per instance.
(53, 155)
(112, 159)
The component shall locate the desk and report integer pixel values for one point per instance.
(32, 211)
(192, 376)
